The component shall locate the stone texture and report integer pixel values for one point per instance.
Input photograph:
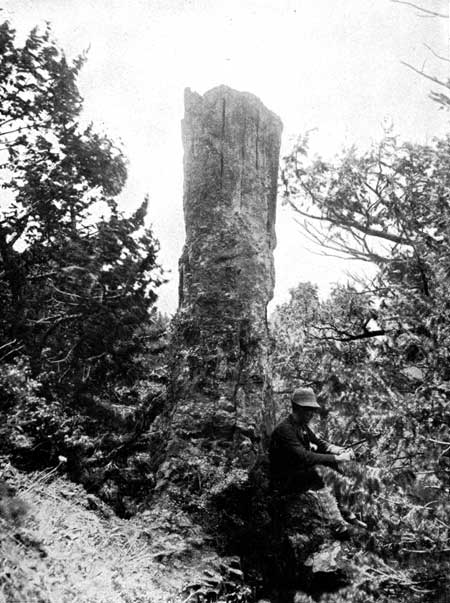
(220, 399)
(211, 438)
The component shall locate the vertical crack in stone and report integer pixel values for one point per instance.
(242, 162)
(257, 143)
(223, 118)
(222, 141)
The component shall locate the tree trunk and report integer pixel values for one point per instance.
(220, 400)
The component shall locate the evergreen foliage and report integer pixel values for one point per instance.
(77, 275)
(78, 279)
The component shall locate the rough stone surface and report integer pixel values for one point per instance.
(212, 437)
(220, 390)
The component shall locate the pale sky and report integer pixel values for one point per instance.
(333, 65)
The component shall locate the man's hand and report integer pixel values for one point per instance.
(345, 457)
(333, 449)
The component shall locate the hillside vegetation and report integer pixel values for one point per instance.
(85, 357)
(58, 544)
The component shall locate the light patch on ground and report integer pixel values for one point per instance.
(65, 552)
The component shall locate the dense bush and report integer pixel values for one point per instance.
(103, 441)
(376, 351)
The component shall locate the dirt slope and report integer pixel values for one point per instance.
(59, 544)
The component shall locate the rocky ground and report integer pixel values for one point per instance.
(58, 544)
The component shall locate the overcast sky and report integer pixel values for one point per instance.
(334, 65)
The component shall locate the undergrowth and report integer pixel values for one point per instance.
(54, 549)
(59, 544)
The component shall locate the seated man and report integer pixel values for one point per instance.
(295, 452)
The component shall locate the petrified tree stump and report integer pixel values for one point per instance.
(220, 411)
(220, 387)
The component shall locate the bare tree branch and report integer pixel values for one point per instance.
(21, 128)
(351, 253)
(427, 11)
(345, 222)
(36, 277)
(438, 56)
(347, 338)
(426, 75)
(11, 352)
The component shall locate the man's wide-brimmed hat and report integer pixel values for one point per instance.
(305, 397)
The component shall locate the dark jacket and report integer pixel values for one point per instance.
(294, 453)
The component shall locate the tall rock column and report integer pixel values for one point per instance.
(220, 386)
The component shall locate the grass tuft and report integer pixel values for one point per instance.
(55, 549)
